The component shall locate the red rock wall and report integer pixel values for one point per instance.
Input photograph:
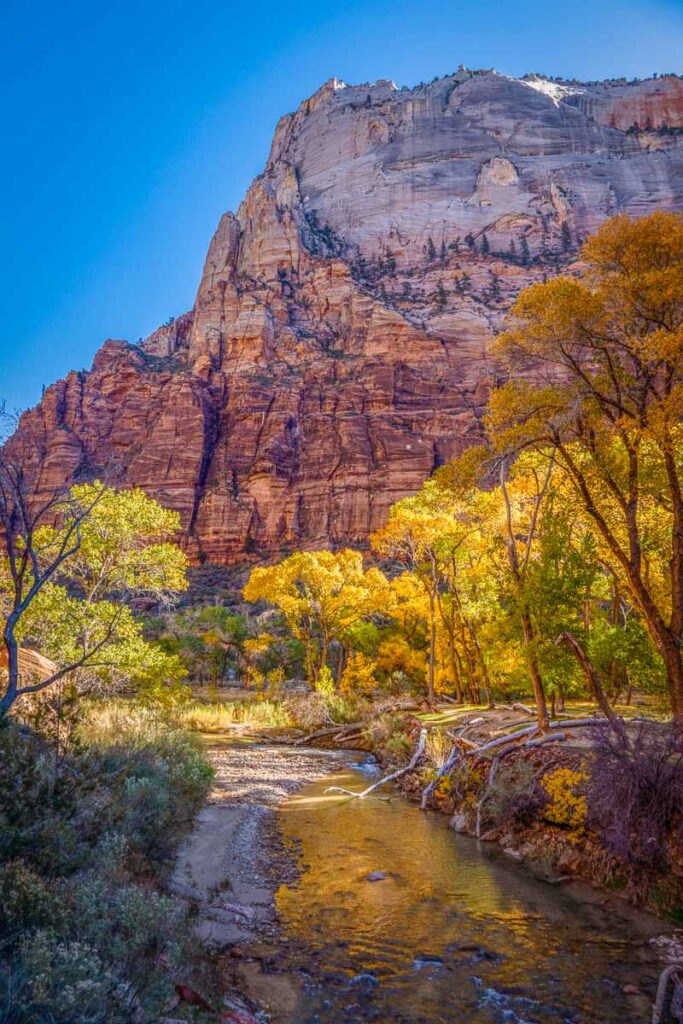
(337, 349)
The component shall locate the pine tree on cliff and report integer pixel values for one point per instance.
(431, 249)
(566, 237)
(524, 249)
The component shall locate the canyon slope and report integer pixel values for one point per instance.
(337, 350)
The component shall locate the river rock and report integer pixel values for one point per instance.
(492, 836)
(365, 980)
(459, 823)
(511, 852)
(569, 860)
(427, 960)
(375, 876)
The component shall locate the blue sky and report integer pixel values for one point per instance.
(129, 127)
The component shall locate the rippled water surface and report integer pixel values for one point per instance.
(454, 931)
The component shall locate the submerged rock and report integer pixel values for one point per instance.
(365, 980)
(426, 960)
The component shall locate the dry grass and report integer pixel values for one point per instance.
(221, 716)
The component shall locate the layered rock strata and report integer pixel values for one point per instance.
(337, 351)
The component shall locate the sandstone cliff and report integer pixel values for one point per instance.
(337, 349)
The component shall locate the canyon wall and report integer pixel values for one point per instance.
(337, 349)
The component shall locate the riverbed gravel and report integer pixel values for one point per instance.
(230, 865)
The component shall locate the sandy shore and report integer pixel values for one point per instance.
(230, 865)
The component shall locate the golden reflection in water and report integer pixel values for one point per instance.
(443, 897)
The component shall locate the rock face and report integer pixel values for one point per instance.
(337, 349)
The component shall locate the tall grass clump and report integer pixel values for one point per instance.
(259, 714)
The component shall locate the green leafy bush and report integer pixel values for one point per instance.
(82, 930)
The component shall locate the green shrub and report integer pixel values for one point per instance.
(391, 737)
(66, 982)
(81, 939)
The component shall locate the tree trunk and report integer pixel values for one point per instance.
(671, 654)
(454, 670)
(594, 683)
(486, 679)
(534, 673)
(432, 647)
(12, 648)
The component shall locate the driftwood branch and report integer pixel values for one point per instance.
(419, 751)
(670, 977)
(569, 723)
(331, 730)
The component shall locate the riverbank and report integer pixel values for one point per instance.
(226, 868)
(233, 862)
(555, 802)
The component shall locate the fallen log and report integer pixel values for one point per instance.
(330, 730)
(568, 723)
(419, 751)
(524, 708)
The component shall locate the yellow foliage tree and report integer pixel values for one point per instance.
(359, 675)
(606, 351)
(322, 595)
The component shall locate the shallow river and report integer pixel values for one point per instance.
(455, 930)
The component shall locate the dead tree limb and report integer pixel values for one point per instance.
(447, 766)
(330, 730)
(595, 685)
(540, 741)
(419, 751)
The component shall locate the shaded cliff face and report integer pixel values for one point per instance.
(337, 350)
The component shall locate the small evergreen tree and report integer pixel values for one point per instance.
(485, 248)
(566, 237)
(431, 249)
(524, 249)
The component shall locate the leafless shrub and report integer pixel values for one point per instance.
(635, 793)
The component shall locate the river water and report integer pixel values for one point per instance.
(396, 918)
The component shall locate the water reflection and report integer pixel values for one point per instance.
(403, 920)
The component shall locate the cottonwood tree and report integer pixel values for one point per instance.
(322, 595)
(70, 564)
(606, 351)
(31, 562)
